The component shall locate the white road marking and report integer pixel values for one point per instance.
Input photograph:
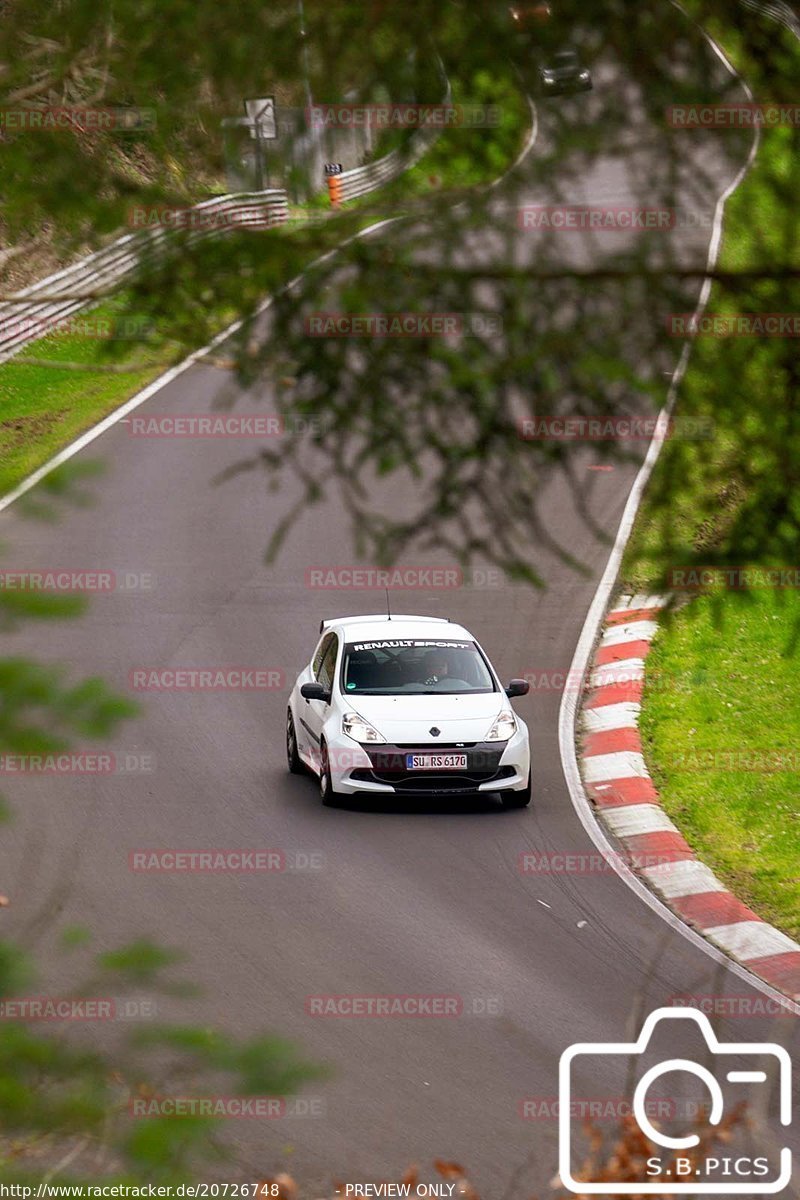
(622, 764)
(751, 939)
(688, 878)
(632, 819)
(639, 600)
(627, 670)
(611, 716)
(631, 631)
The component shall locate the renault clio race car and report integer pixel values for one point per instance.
(406, 706)
(564, 75)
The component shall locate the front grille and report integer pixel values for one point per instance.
(442, 783)
(389, 766)
(433, 747)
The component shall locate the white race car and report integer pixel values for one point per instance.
(406, 706)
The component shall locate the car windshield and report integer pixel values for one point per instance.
(414, 667)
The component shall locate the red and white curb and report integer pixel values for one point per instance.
(617, 781)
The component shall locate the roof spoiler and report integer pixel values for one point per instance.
(379, 617)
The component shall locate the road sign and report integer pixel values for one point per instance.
(261, 114)
(332, 169)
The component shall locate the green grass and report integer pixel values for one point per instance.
(469, 158)
(46, 406)
(697, 489)
(728, 659)
(738, 694)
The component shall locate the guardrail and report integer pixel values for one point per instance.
(776, 10)
(38, 309)
(358, 181)
(41, 307)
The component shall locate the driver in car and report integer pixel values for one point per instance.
(435, 667)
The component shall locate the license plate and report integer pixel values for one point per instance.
(436, 762)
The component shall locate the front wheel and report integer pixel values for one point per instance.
(293, 759)
(517, 799)
(327, 794)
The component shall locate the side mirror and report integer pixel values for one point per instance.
(315, 691)
(518, 687)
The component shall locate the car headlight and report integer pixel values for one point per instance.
(360, 730)
(584, 75)
(504, 728)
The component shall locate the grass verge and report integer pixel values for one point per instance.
(62, 384)
(720, 728)
(721, 711)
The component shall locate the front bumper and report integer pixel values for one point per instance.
(382, 768)
(565, 87)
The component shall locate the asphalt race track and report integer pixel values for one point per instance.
(399, 899)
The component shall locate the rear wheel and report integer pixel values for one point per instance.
(328, 796)
(293, 759)
(517, 799)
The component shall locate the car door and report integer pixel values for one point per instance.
(313, 713)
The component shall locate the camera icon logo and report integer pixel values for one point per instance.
(673, 1169)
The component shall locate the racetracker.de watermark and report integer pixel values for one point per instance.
(207, 220)
(541, 862)
(80, 1009)
(734, 579)
(241, 1108)
(758, 760)
(402, 1005)
(401, 324)
(622, 675)
(732, 116)
(96, 581)
(218, 861)
(207, 425)
(403, 578)
(744, 1006)
(84, 325)
(207, 679)
(599, 1109)
(80, 119)
(410, 578)
(615, 218)
(79, 762)
(403, 116)
(620, 427)
(725, 325)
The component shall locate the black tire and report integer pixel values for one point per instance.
(328, 796)
(517, 799)
(293, 760)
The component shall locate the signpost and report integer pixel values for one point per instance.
(263, 126)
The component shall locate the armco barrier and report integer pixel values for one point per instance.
(776, 10)
(360, 180)
(41, 306)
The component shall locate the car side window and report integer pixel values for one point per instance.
(322, 649)
(328, 665)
